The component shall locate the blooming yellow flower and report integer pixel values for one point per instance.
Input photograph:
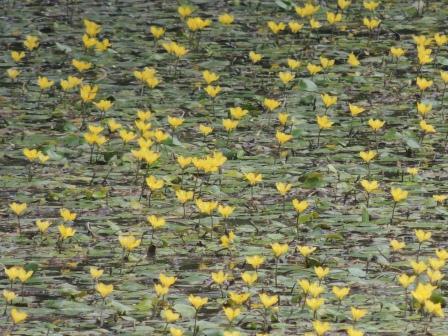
(268, 300)
(226, 19)
(398, 194)
(66, 231)
(357, 313)
(353, 60)
(279, 249)
(196, 301)
(253, 178)
(129, 242)
(255, 261)
(104, 290)
(18, 316)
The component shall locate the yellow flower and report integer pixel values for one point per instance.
(238, 112)
(293, 64)
(299, 206)
(423, 292)
(279, 249)
(126, 136)
(196, 301)
(369, 186)
(157, 32)
(66, 231)
(423, 83)
(44, 83)
(406, 280)
(440, 39)
(31, 42)
(358, 314)
(422, 235)
(156, 222)
(226, 19)
(254, 57)
(444, 76)
(184, 11)
(253, 178)
(175, 49)
(161, 290)
(271, 104)
(9, 296)
(308, 10)
(376, 124)
(397, 245)
(321, 272)
(283, 118)
(324, 122)
(67, 215)
(328, 100)
(197, 23)
(283, 188)
(355, 110)
(326, 63)
(412, 171)
(170, 316)
(333, 18)
(343, 4)
(184, 196)
(95, 272)
(18, 208)
(249, 277)
(89, 42)
(321, 327)
(17, 56)
(285, 76)
(167, 281)
(442, 254)
(354, 332)
(370, 5)
(427, 128)
(12, 273)
(42, 225)
(104, 290)
(439, 198)
(255, 261)
(294, 26)
(276, 27)
(219, 277)
(13, 73)
(175, 122)
(424, 55)
(24, 275)
(397, 52)
(239, 298)
(372, 23)
(91, 28)
(227, 240)
(209, 76)
(206, 207)
(340, 292)
(88, 92)
(353, 60)
(436, 263)
(268, 300)
(314, 303)
(103, 105)
(18, 316)
(423, 108)
(398, 194)
(81, 66)
(434, 308)
(225, 210)
(212, 91)
(282, 138)
(178, 332)
(368, 156)
(434, 275)
(229, 124)
(313, 69)
(129, 242)
(418, 266)
(306, 250)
